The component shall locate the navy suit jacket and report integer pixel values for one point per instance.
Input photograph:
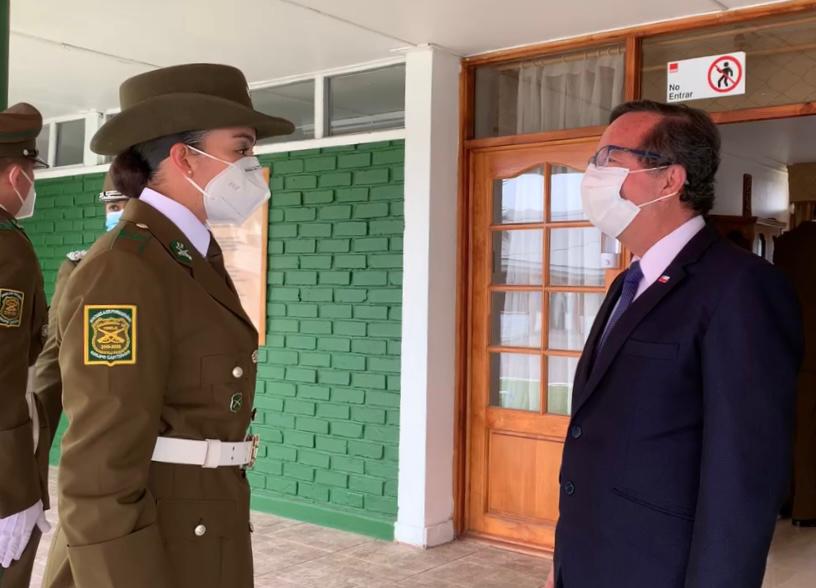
(678, 455)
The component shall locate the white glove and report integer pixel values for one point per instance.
(15, 532)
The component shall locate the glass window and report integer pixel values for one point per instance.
(515, 381)
(560, 377)
(519, 199)
(571, 318)
(517, 257)
(70, 143)
(780, 60)
(557, 92)
(575, 257)
(294, 102)
(42, 142)
(366, 101)
(565, 195)
(516, 319)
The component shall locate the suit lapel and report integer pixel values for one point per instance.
(640, 308)
(585, 363)
(180, 249)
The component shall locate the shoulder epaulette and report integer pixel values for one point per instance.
(76, 256)
(132, 236)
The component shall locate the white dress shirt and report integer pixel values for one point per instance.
(657, 259)
(181, 216)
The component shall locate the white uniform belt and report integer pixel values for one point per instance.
(211, 453)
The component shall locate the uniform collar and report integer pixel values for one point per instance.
(196, 232)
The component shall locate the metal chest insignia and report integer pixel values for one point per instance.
(236, 402)
(181, 253)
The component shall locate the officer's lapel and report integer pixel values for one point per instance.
(182, 251)
(218, 287)
(638, 311)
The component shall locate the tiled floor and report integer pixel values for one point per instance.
(289, 554)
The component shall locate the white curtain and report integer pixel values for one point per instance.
(569, 93)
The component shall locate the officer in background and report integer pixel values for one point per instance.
(47, 383)
(23, 495)
(157, 356)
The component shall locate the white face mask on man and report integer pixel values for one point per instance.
(235, 193)
(27, 201)
(603, 204)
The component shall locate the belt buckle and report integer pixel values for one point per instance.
(255, 440)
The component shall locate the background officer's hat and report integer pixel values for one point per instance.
(191, 97)
(19, 127)
(109, 192)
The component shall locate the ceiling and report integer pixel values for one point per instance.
(774, 143)
(67, 57)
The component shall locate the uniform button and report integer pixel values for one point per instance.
(569, 488)
(237, 371)
(253, 413)
(200, 530)
(576, 431)
(255, 356)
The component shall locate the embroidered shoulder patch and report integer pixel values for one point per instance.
(181, 252)
(110, 335)
(11, 307)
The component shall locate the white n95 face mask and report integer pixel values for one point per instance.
(27, 201)
(603, 204)
(235, 193)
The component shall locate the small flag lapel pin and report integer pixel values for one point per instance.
(664, 279)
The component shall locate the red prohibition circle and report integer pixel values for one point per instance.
(737, 80)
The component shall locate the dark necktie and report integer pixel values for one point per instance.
(631, 282)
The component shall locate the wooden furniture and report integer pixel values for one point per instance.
(750, 232)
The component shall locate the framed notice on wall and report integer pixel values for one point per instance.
(245, 250)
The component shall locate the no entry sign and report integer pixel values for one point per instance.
(714, 76)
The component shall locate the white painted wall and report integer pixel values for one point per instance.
(425, 498)
(770, 188)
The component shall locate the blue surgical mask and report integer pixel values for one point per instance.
(112, 219)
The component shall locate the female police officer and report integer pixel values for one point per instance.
(157, 354)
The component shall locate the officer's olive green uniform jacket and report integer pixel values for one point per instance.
(22, 325)
(47, 383)
(150, 339)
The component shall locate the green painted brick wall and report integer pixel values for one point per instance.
(328, 376)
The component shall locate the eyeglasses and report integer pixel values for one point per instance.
(602, 157)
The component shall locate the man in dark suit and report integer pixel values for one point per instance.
(794, 254)
(677, 458)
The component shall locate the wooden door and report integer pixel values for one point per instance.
(537, 283)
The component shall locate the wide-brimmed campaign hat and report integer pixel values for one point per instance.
(19, 127)
(191, 97)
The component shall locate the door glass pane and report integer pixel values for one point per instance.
(575, 257)
(571, 318)
(516, 319)
(565, 195)
(566, 91)
(515, 381)
(519, 199)
(560, 376)
(517, 257)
